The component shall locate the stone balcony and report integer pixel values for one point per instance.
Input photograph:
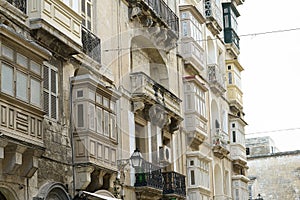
(216, 79)
(157, 17)
(213, 16)
(56, 25)
(220, 144)
(159, 105)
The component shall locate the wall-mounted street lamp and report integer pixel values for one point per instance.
(136, 161)
(259, 197)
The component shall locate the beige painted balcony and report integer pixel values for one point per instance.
(196, 126)
(238, 155)
(235, 96)
(193, 53)
(216, 79)
(213, 16)
(56, 19)
(147, 91)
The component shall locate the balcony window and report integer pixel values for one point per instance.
(93, 112)
(86, 12)
(17, 80)
(74, 4)
(191, 27)
(91, 44)
(193, 177)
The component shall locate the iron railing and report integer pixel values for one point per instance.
(162, 11)
(91, 44)
(20, 4)
(149, 175)
(174, 183)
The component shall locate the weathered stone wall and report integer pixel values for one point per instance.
(277, 175)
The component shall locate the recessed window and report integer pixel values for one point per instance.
(79, 93)
(192, 177)
(191, 163)
(233, 125)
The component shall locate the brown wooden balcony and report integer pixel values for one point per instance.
(213, 16)
(220, 143)
(91, 44)
(216, 79)
(156, 15)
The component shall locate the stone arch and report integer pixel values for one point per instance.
(215, 115)
(218, 180)
(211, 51)
(145, 57)
(7, 193)
(53, 191)
(105, 193)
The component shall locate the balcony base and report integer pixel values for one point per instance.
(195, 139)
(214, 27)
(53, 39)
(148, 193)
(220, 151)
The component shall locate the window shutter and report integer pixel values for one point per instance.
(53, 107)
(46, 102)
(53, 81)
(46, 78)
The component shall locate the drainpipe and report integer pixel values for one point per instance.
(72, 135)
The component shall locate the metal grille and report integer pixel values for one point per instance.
(91, 44)
(20, 4)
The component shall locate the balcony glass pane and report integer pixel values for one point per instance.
(7, 79)
(21, 86)
(35, 96)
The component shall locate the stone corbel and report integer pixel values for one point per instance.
(138, 106)
(13, 158)
(30, 162)
(83, 177)
(101, 175)
(161, 36)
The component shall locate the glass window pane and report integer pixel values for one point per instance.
(53, 81)
(7, 79)
(36, 68)
(99, 120)
(21, 86)
(80, 122)
(88, 10)
(83, 6)
(7, 52)
(22, 60)
(75, 5)
(91, 116)
(35, 88)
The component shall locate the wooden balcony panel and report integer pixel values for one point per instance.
(21, 123)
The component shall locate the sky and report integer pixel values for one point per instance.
(271, 79)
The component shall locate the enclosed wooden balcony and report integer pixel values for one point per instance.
(235, 97)
(193, 53)
(213, 15)
(56, 25)
(220, 143)
(158, 17)
(238, 155)
(216, 79)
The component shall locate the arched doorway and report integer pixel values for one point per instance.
(53, 191)
(218, 181)
(7, 194)
(146, 58)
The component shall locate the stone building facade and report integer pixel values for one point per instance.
(84, 84)
(273, 175)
